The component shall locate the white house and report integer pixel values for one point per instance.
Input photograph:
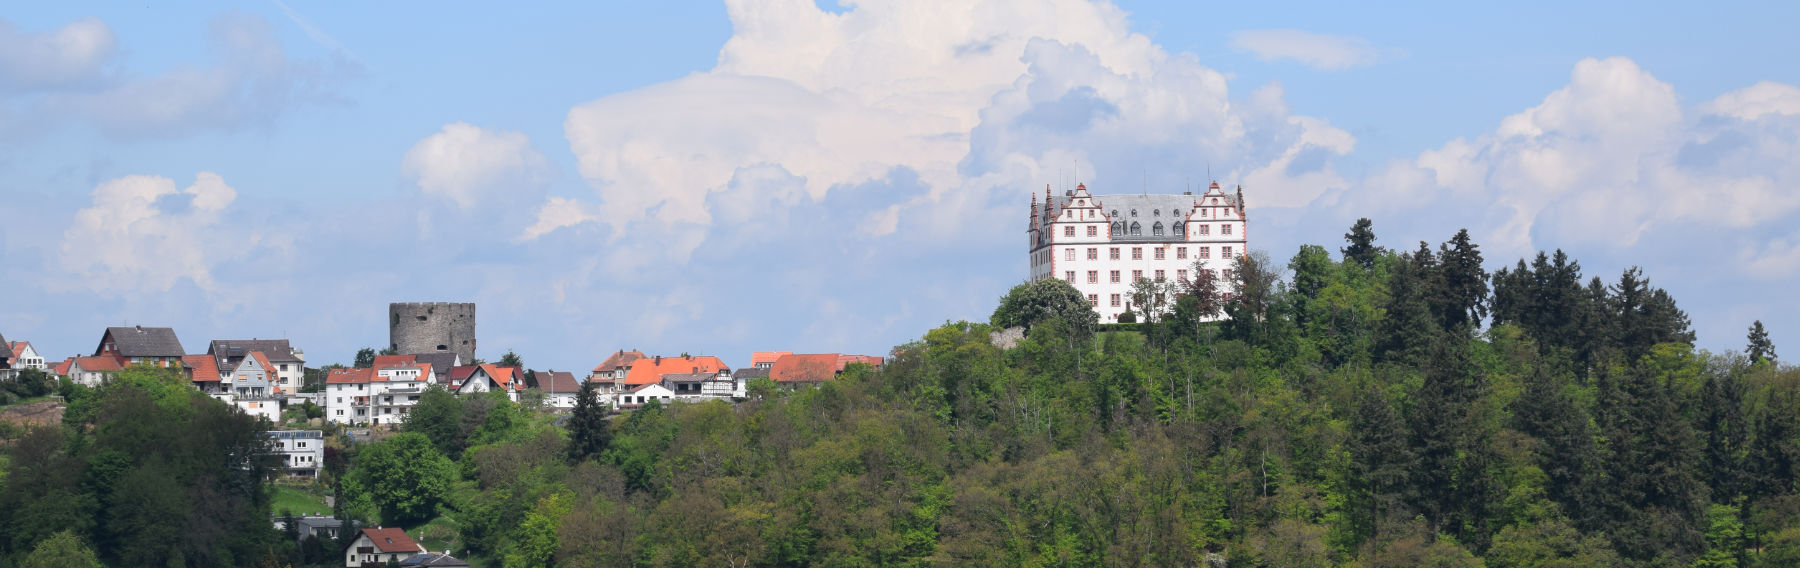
(381, 395)
(347, 395)
(719, 385)
(302, 452)
(1102, 244)
(26, 357)
(560, 388)
(289, 363)
(379, 546)
(644, 394)
(93, 371)
(254, 386)
(490, 377)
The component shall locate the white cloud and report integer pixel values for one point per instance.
(1320, 51)
(1614, 155)
(139, 236)
(69, 56)
(468, 165)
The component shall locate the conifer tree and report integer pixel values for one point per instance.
(1362, 249)
(590, 433)
(1760, 348)
(1462, 296)
(1380, 459)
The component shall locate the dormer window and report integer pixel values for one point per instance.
(1115, 213)
(1156, 213)
(1157, 230)
(1133, 212)
(1136, 230)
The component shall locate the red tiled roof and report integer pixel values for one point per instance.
(352, 375)
(760, 357)
(263, 360)
(460, 374)
(392, 540)
(201, 368)
(619, 359)
(651, 370)
(870, 360)
(63, 367)
(807, 368)
(18, 347)
(99, 363)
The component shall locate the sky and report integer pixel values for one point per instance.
(707, 178)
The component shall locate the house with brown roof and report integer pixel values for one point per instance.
(203, 372)
(766, 359)
(560, 387)
(381, 394)
(141, 345)
(289, 363)
(717, 385)
(490, 377)
(814, 368)
(376, 547)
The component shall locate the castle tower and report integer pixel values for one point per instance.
(432, 327)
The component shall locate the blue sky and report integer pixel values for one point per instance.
(721, 178)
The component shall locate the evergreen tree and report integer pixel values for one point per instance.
(1727, 435)
(1760, 348)
(1362, 249)
(1462, 295)
(1645, 316)
(590, 432)
(1438, 423)
(1408, 332)
(1547, 411)
(1381, 461)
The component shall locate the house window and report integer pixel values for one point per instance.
(1224, 252)
(1092, 230)
(1069, 231)
(1137, 275)
(1093, 277)
(1136, 229)
(1137, 253)
(1159, 276)
(1070, 276)
(1159, 253)
(1069, 254)
(1181, 275)
(1227, 274)
(1114, 253)
(1093, 299)
(1203, 229)
(1115, 277)
(1180, 229)
(1224, 229)
(1093, 253)
(1180, 253)
(1204, 252)
(1115, 300)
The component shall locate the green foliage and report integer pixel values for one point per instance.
(511, 359)
(1760, 348)
(439, 417)
(590, 431)
(61, 550)
(1033, 303)
(404, 478)
(365, 357)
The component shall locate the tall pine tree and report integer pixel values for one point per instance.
(1760, 348)
(590, 433)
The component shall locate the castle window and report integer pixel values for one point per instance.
(1115, 253)
(1224, 229)
(1157, 229)
(1118, 228)
(1093, 253)
(1180, 253)
(1115, 213)
(1203, 229)
(1159, 276)
(1137, 275)
(1205, 252)
(1180, 228)
(1227, 274)
(1136, 230)
(1069, 254)
(1181, 275)
(1069, 276)
(1137, 253)
(1133, 212)
(1069, 231)
(1115, 279)
(1093, 231)
(1093, 277)
(1157, 213)
(1115, 303)
(1159, 253)
(1225, 252)
(1093, 299)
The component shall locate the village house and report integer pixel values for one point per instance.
(643, 394)
(289, 363)
(253, 386)
(203, 372)
(718, 385)
(302, 452)
(24, 356)
(6, 358)
(560, 388)
(814, 368)
(92, 371)
(490, 377)
(609, 376)
(376, 547)
(141, 345)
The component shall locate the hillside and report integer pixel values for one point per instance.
(1379, 409)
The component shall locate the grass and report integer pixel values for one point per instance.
(437, 535)
(298, 502)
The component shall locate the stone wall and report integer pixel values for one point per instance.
(432, 327)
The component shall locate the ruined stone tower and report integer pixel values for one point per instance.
(432, 327)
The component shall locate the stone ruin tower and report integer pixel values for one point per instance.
(432, 327)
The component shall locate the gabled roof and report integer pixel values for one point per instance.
(557, 382)
(462, 372)
(651, 370)
(392, 540)
(277, 350)
(351, 375)
(6, 351)
(63, 367)
(760, 357)
(621, 359)
(18, 347)
(262, 361)
(440, 362)
(805, 368)
(201, 368)
(92, 364)
(143, 341)
(751, 373)
(641, 388)
(392, 361)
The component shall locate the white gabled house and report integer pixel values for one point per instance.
(644, 394)
(378, 547)
(490, 377)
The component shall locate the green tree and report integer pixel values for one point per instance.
(404, 477)
(61, 550)
(510, 359)
(590, 431)
(1462, 293)
(1362, 249)
(438, 415)
(365, 358)
(1380, 460)
(1031, 303)
(1760, 348)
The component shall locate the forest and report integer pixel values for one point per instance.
(1373, 408)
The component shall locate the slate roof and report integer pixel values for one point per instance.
(440, 362)
(688, 377)
(751, 373)
(557, 382)
(143, 341)
(392, 539)
(276, 350)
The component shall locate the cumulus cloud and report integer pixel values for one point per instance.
(1320, 51)
(143, 234)
(973, 101)
(1613, 155)
(468, 164)
(72, 55)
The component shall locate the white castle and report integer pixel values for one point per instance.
(1102, 243)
